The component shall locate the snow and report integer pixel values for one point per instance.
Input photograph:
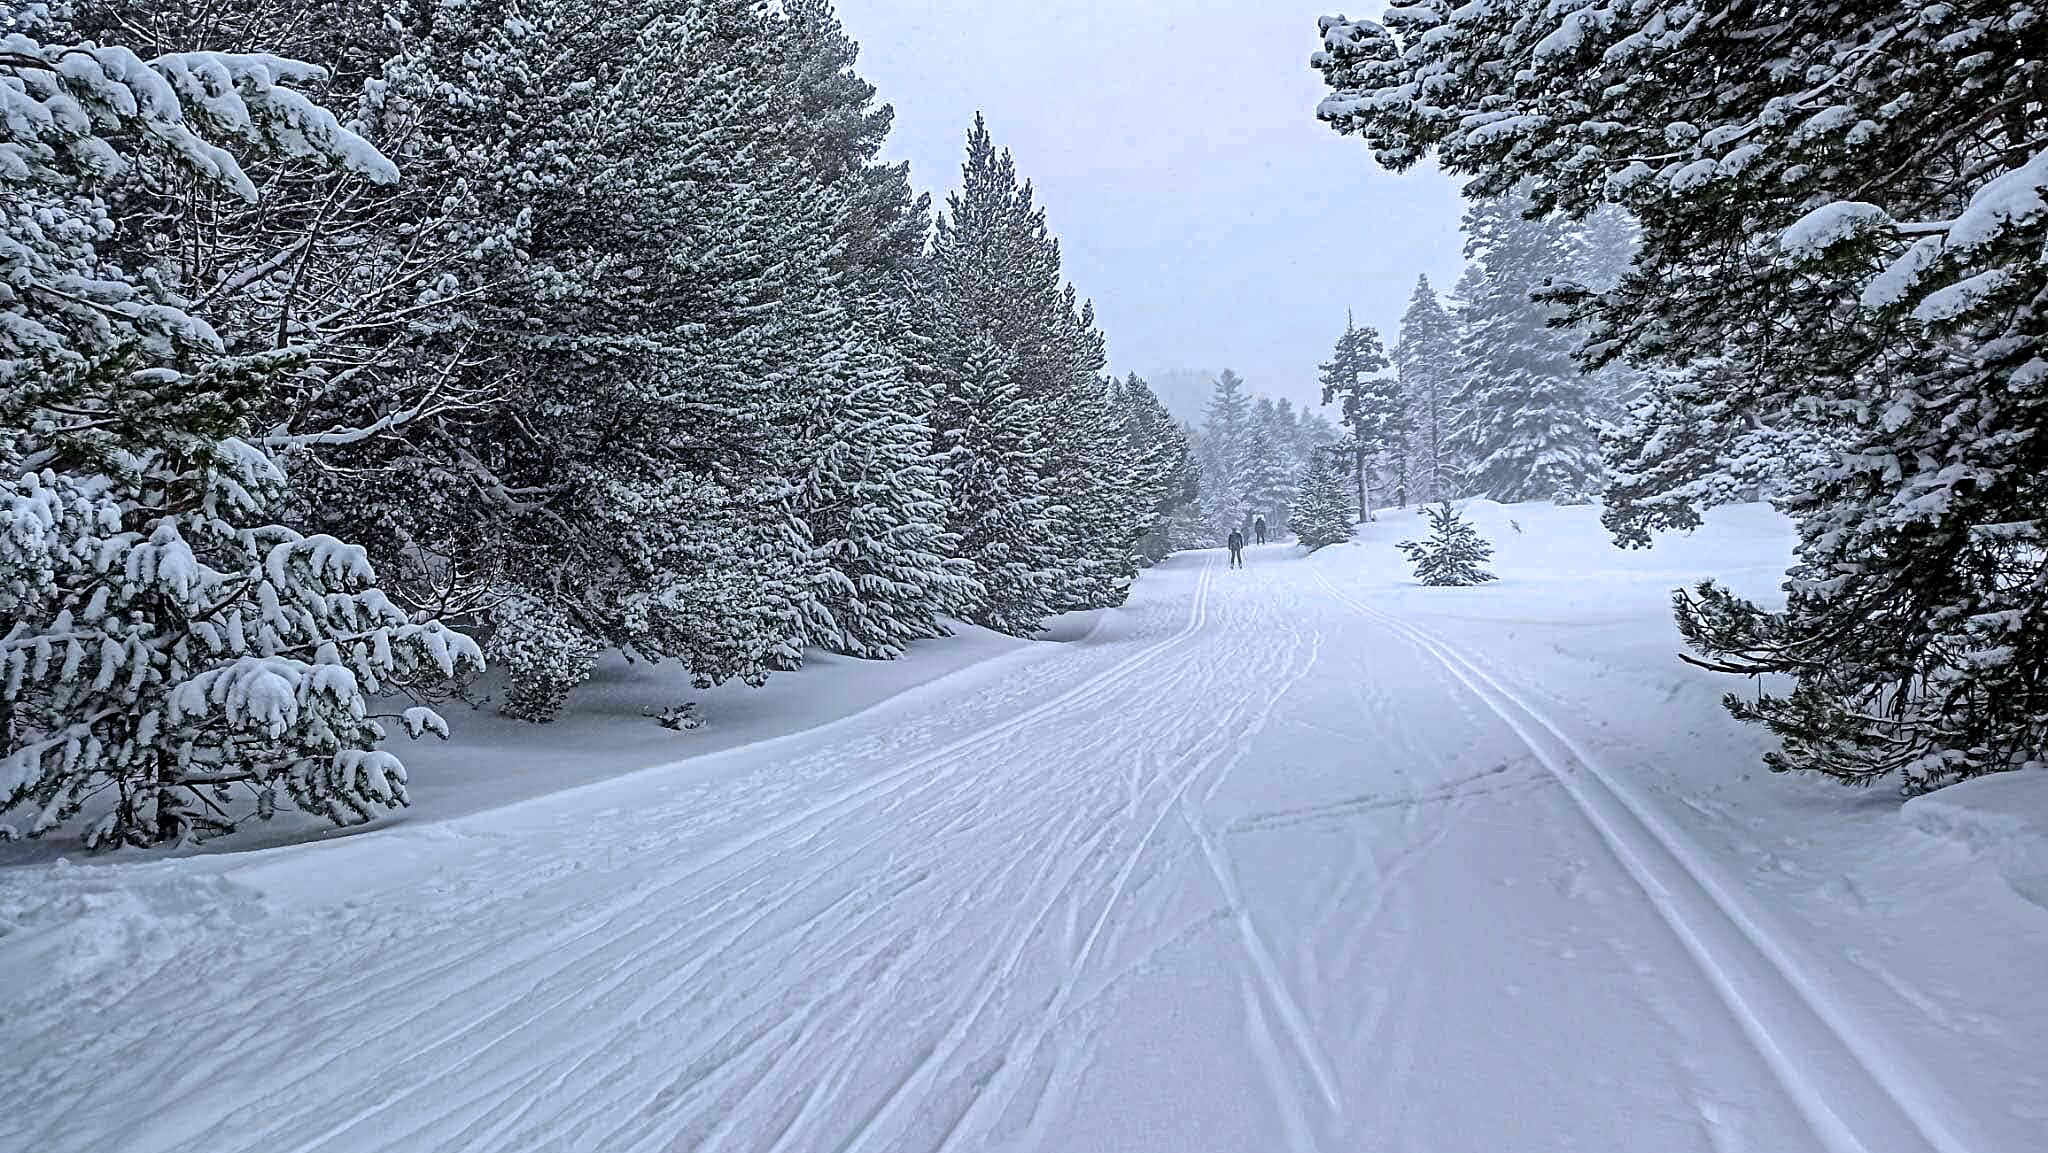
(2008, 201)
(1813, 234)
(1890, 286)
(1570, 34)
(2001, 821)
(1301, 857)
(1953, 300)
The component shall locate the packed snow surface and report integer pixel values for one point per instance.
(1299, 857)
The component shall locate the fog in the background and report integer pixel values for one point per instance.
(1213, 220)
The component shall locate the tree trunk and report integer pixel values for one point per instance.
(1364, 491)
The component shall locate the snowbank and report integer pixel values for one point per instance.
(608, 731)
(2000, 820)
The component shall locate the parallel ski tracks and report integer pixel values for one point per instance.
(1856, 1094)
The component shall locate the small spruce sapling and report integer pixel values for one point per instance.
(1453, 554)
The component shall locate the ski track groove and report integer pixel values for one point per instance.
(1294, 1119)
(1637, 838)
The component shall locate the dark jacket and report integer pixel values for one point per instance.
(1236, 540)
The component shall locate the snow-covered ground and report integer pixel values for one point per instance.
(1302, 857)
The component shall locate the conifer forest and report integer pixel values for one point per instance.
(633, 575)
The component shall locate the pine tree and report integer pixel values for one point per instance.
(1159, 465)
(994, 274)
(1369, 401)
(1300, 433)
(871, 501)
(1460, 304)
(1000, 513)
(1454, 553)
(1427, 357)
(1525, 413)
(1602, 247)
(1266, 469)
(1323, 513)
(874, 503)
(612, 384)
(1226, 430)
(172, 653)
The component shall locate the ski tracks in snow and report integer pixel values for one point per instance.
(900, 963)
(1857, 1095)
(934, 930)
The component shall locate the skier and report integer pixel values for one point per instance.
(1259, 529)
(1236, 543)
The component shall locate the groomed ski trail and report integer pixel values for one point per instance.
(1255, 867)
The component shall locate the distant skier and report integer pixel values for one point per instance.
(1236, 543)
(1259, 529)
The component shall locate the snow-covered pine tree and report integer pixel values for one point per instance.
(1323, 512)
(1526, 413)
(1266, 468)
(1312, 431)
(1189, 526)
(1226, 427)
(1369, 402)
(874, 505)
(1300, 434)
(678, 353)
(1000, 511)
(1460, 303)
(1602, 247)
(651, 231)
(1107, 508)
(993, 275)
(871, 500)
(1453, 554)
(1847, 199)
(172, 654)
(359, 285)
(1676, 453)
(1159, 464)
(1427, 358)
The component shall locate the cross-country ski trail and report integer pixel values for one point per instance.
(1267, 865)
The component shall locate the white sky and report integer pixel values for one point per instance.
(1212, 219)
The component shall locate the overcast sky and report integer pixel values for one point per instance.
(1213, 220)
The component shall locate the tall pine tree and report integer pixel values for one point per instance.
(1369, 402)
(1226, 430)
(1427, 358)
(995, 292)
(1526, 425)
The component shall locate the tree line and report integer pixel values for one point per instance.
(348, 346)
(1480, 394)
